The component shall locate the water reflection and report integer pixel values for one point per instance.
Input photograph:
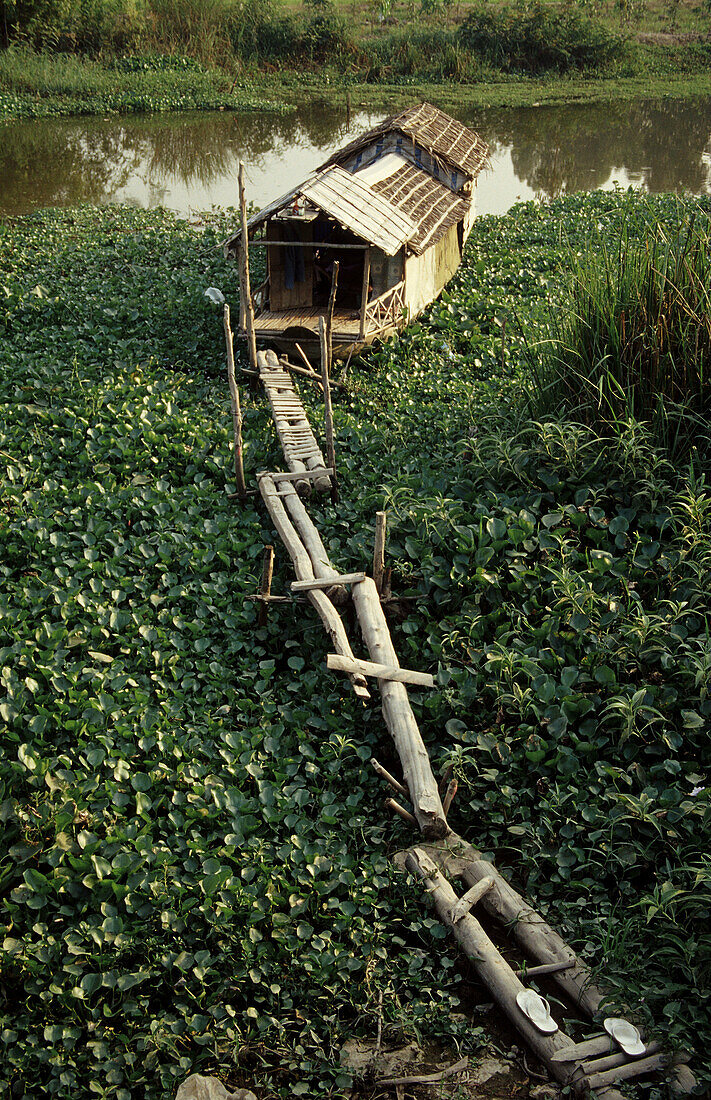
(190, 161)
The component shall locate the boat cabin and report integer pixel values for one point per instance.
(394, 208)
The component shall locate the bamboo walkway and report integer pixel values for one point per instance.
(593, 1062)
(301, 451)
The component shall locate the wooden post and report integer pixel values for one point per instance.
(328, 408)
(265, 586)
(329, 315)
(379, 550)
(236, 409)
(364, 293)
(245, 288)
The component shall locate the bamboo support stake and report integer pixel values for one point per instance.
(236, 408)
(244, 274)
(305, 571)
(329, 315)
(328, 408)
(381, 519)
(400, 720)
(449, 797)
(391, 804)
(385, 774)
(364, 294)
(265, 586)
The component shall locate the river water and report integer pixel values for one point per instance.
(188, 162)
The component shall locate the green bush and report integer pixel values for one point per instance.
(536, 38)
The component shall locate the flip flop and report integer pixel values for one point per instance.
(537, 1009)
(624, 1033)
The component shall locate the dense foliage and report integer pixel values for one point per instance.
(194, 869)
(635, 338)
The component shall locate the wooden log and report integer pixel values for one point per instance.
(305, 571)
(236, 408)
(487, 961)
(537, 938)
(327, 407)
(311, 539)
(615, 1059)
(469, 900)
(600, 1044)
(398, 715)
(322, 582)
(381, 519)
(244, 280)
(637, 1068)
(395, 675)
(265, 586)
(385, 774)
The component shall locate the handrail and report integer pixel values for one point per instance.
(384, 310)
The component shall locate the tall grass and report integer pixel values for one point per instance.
(635, 338)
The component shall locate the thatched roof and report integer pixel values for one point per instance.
(350, 202)
(431, 206)
(431, 129)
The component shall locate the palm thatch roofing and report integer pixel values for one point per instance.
(351, 203)
(439, 134)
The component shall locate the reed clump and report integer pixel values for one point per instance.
(635, 338)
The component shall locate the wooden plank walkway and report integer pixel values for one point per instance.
(595, 1063)
(301, 451)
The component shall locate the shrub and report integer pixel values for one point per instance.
(536, 38)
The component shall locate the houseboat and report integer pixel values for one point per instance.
(394, 208)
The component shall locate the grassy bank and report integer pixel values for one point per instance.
(256, 55)
(194, 871)
(46, 87)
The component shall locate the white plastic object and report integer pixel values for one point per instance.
(624, 1033)
(215, 295)
(537, 1009)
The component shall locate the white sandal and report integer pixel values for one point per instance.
(626, 1034)
(537, 1009)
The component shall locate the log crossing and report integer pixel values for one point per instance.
(594, 1063)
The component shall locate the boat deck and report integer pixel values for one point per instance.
(346, 323)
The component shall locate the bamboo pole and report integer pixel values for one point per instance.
(364, 294)
(244, 273)
(265, 586)
(327, 407)
(305, 571)
(329, 314)
(390, 779)
(381, 519)
(236, 408)
(398, 715)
